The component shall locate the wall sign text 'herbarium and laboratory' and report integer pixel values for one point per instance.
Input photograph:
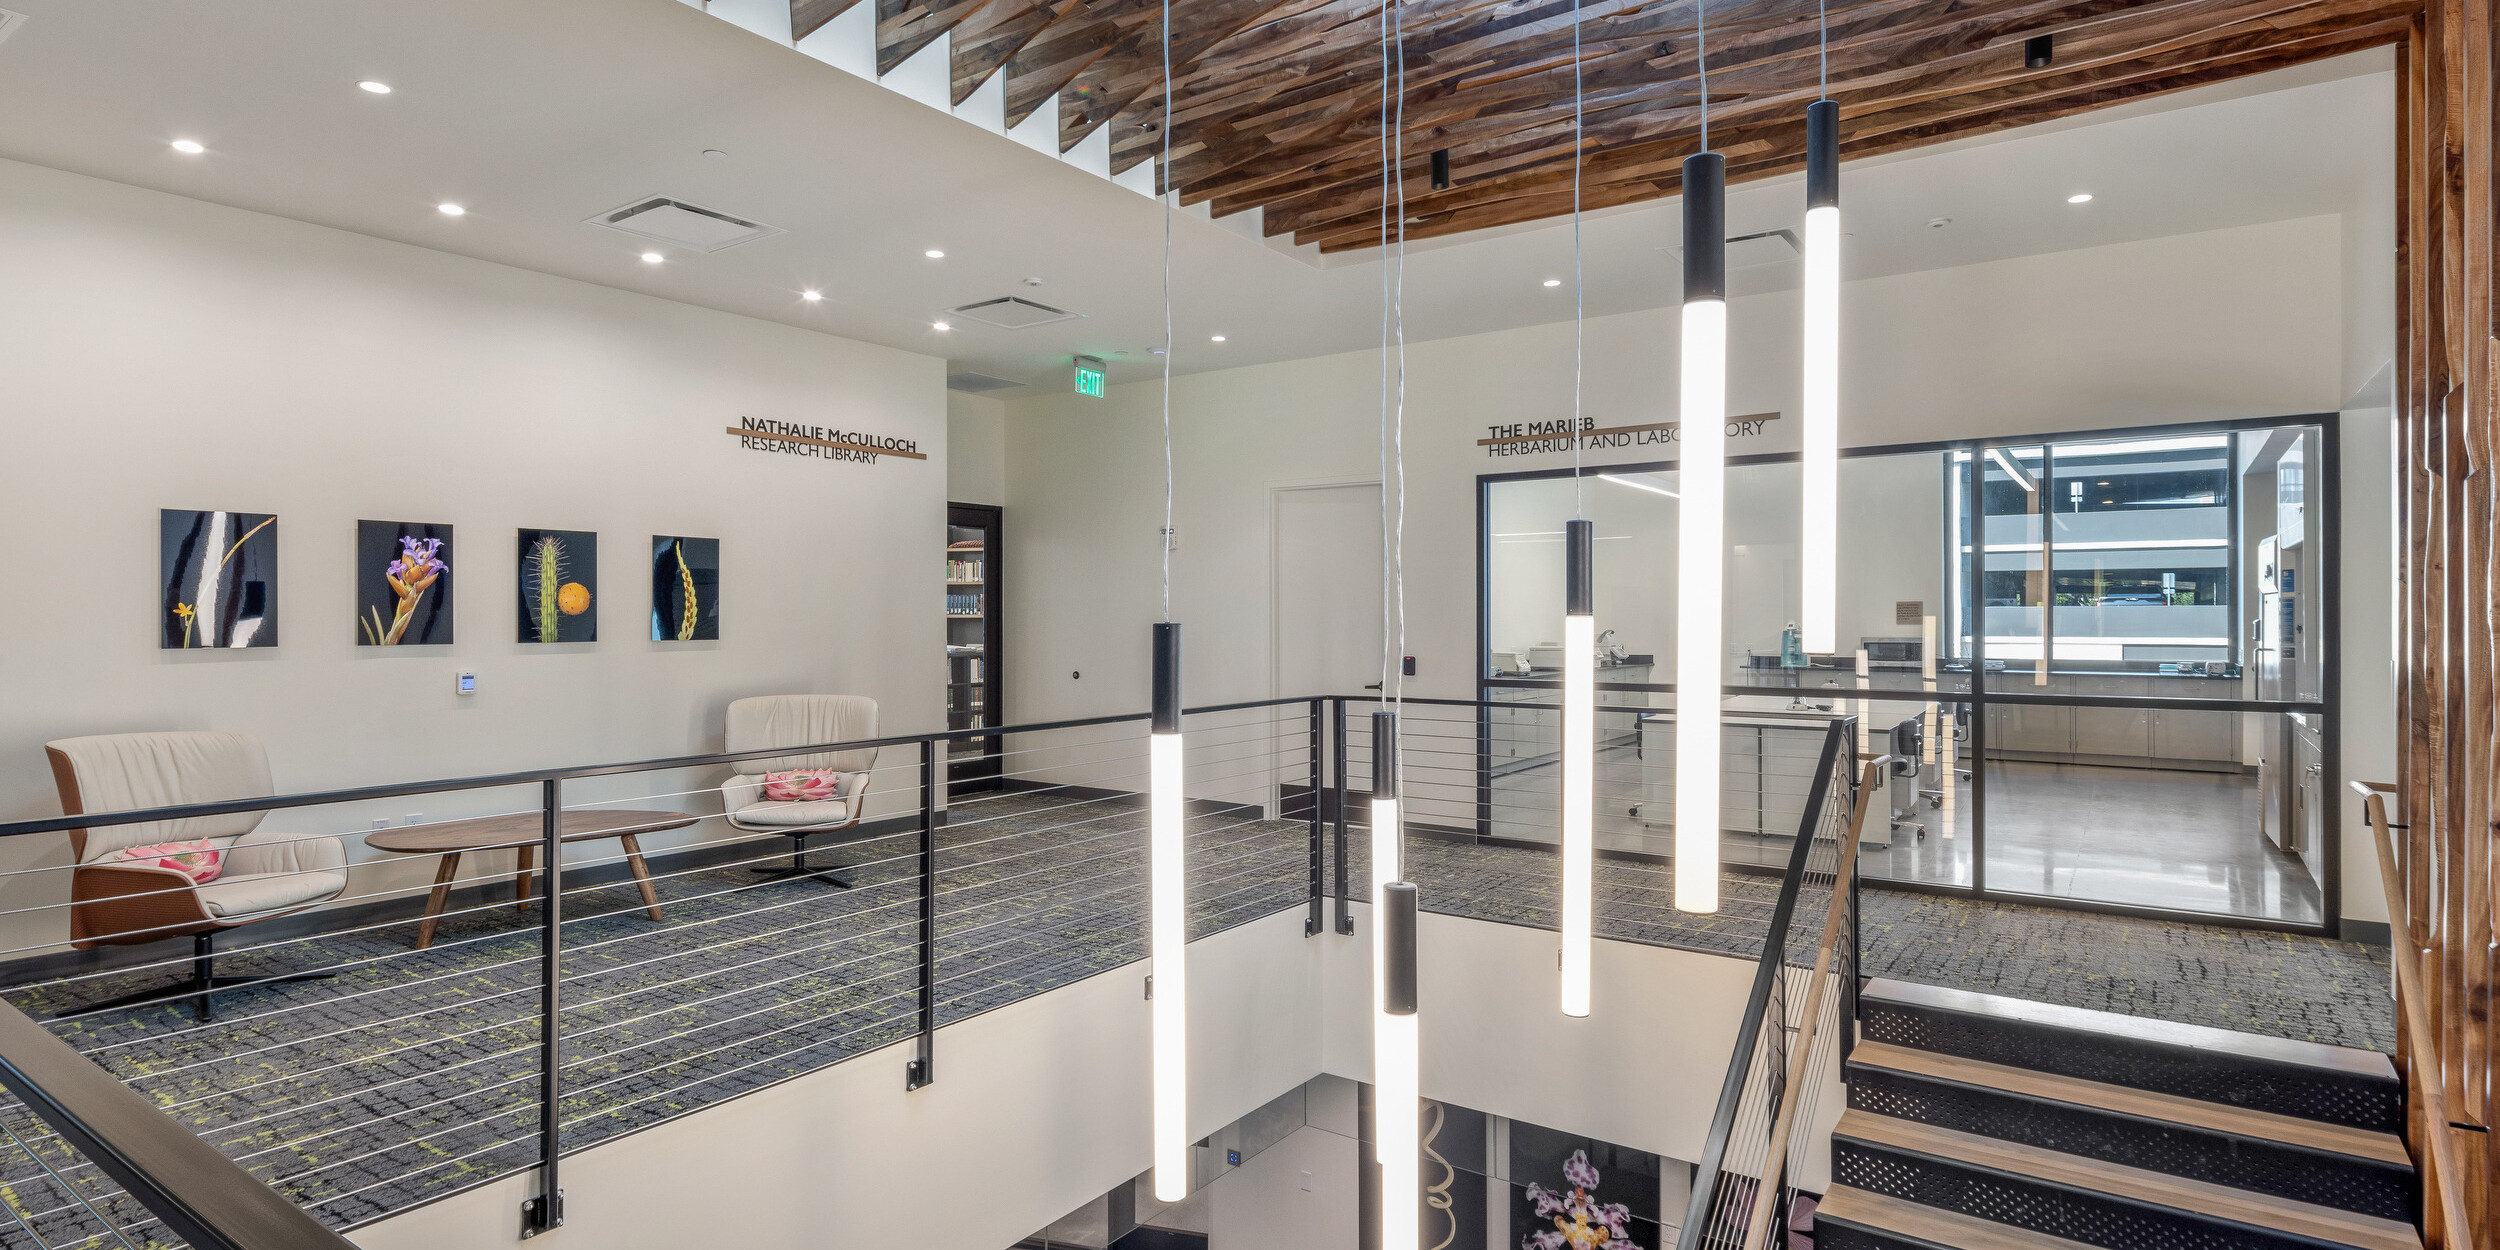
(765, 434)
(1527, 438)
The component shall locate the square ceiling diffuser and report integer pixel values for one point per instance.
(687, 225)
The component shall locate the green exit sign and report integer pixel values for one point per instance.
(1089, 376)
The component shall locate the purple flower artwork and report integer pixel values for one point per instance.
(403, 584)
(1580, 1221)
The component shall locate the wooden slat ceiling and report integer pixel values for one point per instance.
(1279, 101)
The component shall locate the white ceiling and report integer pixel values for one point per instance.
(537, 115)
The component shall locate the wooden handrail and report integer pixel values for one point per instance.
(1766, 1193)
(2414, 1019)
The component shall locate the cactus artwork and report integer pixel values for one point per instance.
(685, 589)
(559, 586)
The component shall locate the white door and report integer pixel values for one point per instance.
(1327, 578)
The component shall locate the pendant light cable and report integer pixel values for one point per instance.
(1579, 282)
(1166, 173)
(1701, 63)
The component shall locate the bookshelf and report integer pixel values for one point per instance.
(972, 644)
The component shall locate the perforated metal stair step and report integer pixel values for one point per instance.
(2304, 1080)
(2093, 1201)
(1854, 1219)
(2307, 1160)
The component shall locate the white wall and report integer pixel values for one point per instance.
(976, 449)
(2232, 323)
(2244, 322)
(166, 353)
(1043, 1104)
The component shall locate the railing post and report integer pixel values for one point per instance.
(922, 1070)
(545, 1213)
(1319, 887)
(1345, 910)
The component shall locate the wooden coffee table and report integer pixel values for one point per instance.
(523, 831)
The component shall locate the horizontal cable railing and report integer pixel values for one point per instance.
(1798, 1016)
(600, 950)
(557, 958)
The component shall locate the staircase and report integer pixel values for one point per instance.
(1984, 1123)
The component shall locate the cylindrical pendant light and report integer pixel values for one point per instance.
(1169, 923)
(1386, 839)
(1398, 1100)
(1702, 465)
(1819, 536)
(1168, 910)
(1579, 734)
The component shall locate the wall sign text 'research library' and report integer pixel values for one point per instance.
(765, 434)
(1527, 438)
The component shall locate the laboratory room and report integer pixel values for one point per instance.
(2098, 667)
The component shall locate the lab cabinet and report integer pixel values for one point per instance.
(2195, 739)
(1525, 728)
(2122, 737)
(1767, 763)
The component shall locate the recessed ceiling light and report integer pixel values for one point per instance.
(940, 325)
(652, 258)
(1553, 282)
(1216, 338)
(1938, 223)
(449, 209)
(811, 296)
(2080, 197)
(377, 88)
(934, 254)
(189, 147)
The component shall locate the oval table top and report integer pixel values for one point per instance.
(522, 829)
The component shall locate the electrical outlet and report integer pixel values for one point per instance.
(381, 822)
(413, 818)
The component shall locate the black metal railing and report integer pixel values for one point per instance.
(499, 1049)
(1747, 1156)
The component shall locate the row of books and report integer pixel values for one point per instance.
(963, 571)
(963, 604)
(973, 670)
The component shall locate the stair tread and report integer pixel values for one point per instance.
(2179, 1193)
(2146, 1104)
(1903, 1218)
(2343, 1060)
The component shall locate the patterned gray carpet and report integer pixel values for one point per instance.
(413, 1074)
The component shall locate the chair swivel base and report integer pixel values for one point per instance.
(799, 867)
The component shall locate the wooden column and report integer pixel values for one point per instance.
(2448, 346)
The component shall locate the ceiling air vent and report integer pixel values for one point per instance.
(686, 225)
(975, 383)
(1010, 313)
(1768, 247)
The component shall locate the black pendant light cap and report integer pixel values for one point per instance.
(1823, 154)
(1397, 937)
(1167, 705)
(1579, 568)
(1705, 226)
(2039, 51)
(1384, 755)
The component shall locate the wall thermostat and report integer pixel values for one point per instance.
(465, 682)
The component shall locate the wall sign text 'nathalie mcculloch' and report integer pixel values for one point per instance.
(765, 434)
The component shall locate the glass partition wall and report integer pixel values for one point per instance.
(2107, 655)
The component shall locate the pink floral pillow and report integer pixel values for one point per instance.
(802, 786)
(201, 861)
